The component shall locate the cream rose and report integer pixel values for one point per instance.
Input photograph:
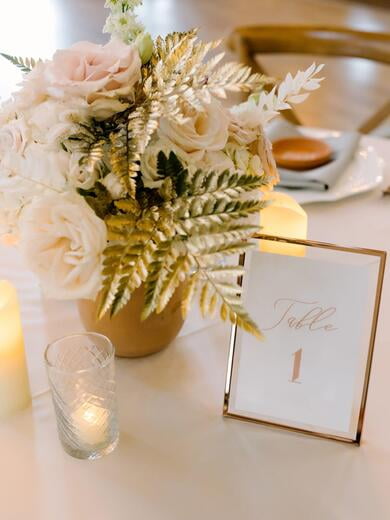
(10, 202)
(216, 162)
(42, 166)
(77, 175)
(150, 177)
(33, 88)
(63, 240)
(8, 111)
(205, 130)
(38, 171)
(53, 120)
(14, 137)
(98, 73)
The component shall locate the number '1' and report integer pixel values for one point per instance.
(297, 366)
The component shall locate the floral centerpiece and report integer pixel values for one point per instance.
(121, 165)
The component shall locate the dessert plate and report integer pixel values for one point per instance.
(364, 173)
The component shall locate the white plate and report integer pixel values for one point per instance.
(364, 173)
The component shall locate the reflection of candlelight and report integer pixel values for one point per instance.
(14, 387)
(284, 217)
(91, 422)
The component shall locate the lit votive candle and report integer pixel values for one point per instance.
(284, 217)
(81, 373)
(14, 386)
(91, 423)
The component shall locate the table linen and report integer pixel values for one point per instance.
(178, 458)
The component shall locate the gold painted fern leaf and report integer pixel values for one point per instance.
(177, 241)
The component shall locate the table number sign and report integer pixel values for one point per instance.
(318, 314)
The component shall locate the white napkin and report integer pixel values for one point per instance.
(322, 177)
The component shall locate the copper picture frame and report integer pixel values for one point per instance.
(381, 255)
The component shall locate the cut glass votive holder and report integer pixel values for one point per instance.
(81, 373)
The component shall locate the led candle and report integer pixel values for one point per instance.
(284, 217)
(14, 385)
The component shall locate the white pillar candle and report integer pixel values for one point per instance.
(91, 423)
(284, 217)
(14, 387)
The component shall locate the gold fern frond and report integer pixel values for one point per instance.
(188, 293)
(93, 161)
(231, 305)
(176, 274)
(120, 160)
(235, 77)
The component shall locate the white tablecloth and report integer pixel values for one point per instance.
(178, 458)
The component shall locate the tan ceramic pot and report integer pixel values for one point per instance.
(131, 336)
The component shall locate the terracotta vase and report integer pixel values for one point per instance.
(131, 336)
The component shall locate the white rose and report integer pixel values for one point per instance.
(8, 222)
(79, 176)
(63, 240)
(8, 111)
(205, 130)
(14, 137)
(9, 211)
(52, 121)
(33, 88)
(43, 167)
(114, 186)
(38, 171)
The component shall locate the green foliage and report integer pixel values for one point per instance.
(24, 64)
(99, 199)
(182, 239)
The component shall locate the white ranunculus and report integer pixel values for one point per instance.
(14, 137)
(114, 186)
(43, 166)
(63, 240)
(205, 130)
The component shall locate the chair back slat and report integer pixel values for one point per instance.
(249, 41)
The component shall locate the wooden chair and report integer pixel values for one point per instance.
(249, 41)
